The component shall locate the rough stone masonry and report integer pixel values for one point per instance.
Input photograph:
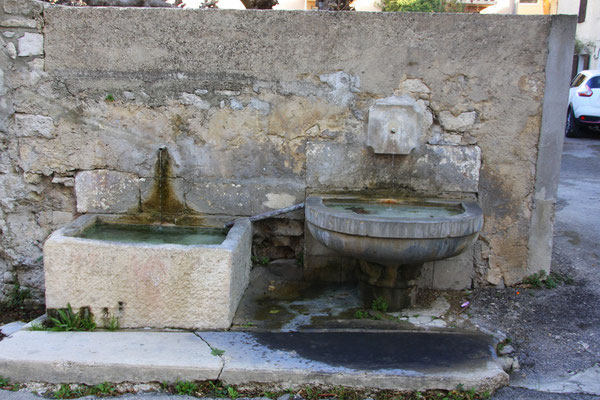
(259, 108)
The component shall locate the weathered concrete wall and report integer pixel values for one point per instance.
(258, 108)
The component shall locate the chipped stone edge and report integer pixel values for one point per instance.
(490, 377)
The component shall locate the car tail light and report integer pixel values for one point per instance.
(585, 91)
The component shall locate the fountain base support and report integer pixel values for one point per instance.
(396, 284)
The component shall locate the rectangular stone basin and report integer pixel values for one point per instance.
(191, 278)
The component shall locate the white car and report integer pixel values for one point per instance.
(584, 103)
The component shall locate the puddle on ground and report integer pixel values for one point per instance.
(573, 236)
(291, 306)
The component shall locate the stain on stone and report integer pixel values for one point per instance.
(163, 206)
(561, 204)
(415, 351)
(179, 125)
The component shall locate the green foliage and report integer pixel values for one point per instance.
(37, 327)
(232, 393)
(582, 47)
(109, 98)
(503, 344)
(217, 352)
(65, 392)
(541, 280)
(260, 260)
(535, 280)
(67, 320)
(113, 324)
(423, 5)
(103, 389)
(379, 304)
(215, 389)
(4, 381)
(185, 388)
(300, 259)
(17, 296)
(361, 314)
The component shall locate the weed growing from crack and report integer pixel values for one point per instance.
(103, 389)
(17, 296)
(216, 389)
(232, 393)
(503, 344)
(37, 327)
(541, 279)
(185, 388)
(6, 385)
(113, 323)
(217, 352)
(67, 320)
(260, 260)
(300, 259)
(379, 304)
(65, 392)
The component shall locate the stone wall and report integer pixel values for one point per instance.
(259, 108)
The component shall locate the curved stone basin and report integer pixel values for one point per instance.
(393, 238)
(391, 230)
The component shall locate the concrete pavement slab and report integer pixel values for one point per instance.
(9, 329)
(96, 357)
(587, 382)
(383, 360)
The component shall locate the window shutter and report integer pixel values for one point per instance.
(582, 10)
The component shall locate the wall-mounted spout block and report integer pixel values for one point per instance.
(395, 125)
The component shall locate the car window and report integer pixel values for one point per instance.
(594, 82)
(577, 80)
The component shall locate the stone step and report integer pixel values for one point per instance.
(405, 360)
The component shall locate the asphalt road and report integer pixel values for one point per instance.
(556, 332)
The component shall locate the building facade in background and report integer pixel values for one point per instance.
(587, 44)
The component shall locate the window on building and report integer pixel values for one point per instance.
(582, 10)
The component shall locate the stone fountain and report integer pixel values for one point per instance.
(393, 237)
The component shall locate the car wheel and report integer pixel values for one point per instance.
(571, 128)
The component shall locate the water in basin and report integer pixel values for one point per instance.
(153, 234)
(394, 209)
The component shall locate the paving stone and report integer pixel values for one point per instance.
(397, 360)
(11, 328)
(96, 357)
